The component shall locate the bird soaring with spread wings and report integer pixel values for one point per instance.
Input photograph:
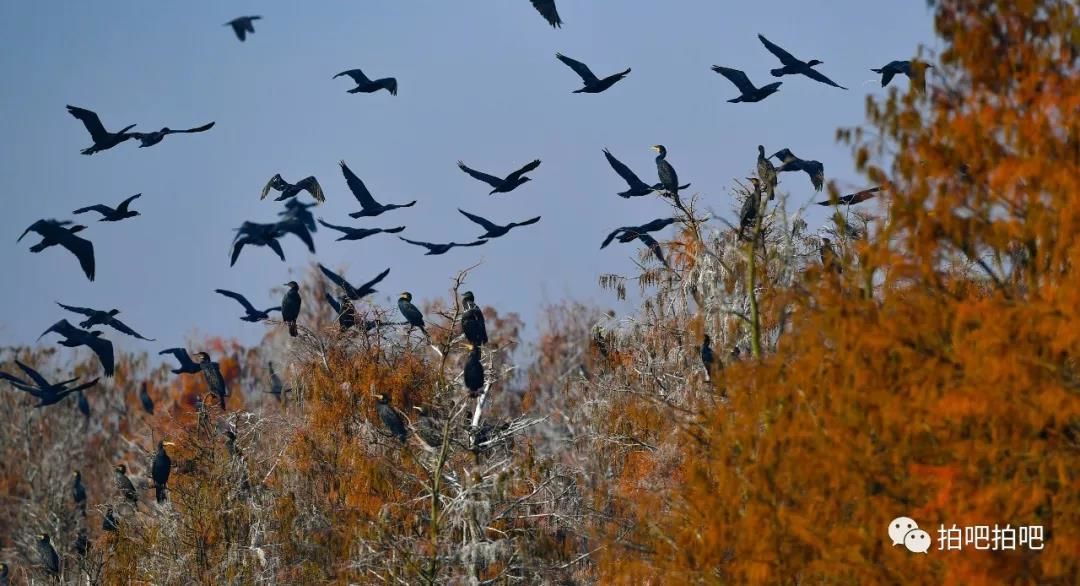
(103, 139)
(55, 233)
(242, 26)
(74, 337)
(748, 91)
(360, 191)
(354, 293)
(506, 184)
(147, 139)
(493, 230)
(794, 66)
(250, 313)
(109, 214)
(308, 184)
(365, 85)
(593, 84)
(97, 317)
(437, 249)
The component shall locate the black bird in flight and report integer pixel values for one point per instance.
(53, 232)
(370, 207)
(794, 66)
(250, 313)
(472, 320)
(308, 184)
(242, 26)
(256, 235)
(749, 92)
(360, 233)
(296, 210)
(124, 485)
(96, 317)
(290, 306)
(160, 470)
(669, 179)
(215, 382)
(638, 187)
(47, 555)
(109, 214)
(852, 198)
(474, 372)
(144, 397)
(911, 69)
(412, 315)
(74, 337)
(152, 138)
(547, 9)
(45, 392)
(750, 207)
(506, 185)
(187, 365)
(103, 139)
(390, 418)
(627, 234)
(593, 85)
(789, 162)
(437, 249)
(494, 230)
(344, 309)
(766, 172)
(354, 293)
(365, 85)
(297, 228)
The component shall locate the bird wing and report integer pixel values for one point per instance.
(82, 387)
(311, 184)
(528, 167)
(90, 120)
(99, 208)
(357, 187)
(818, 76)
(389, 84)
(342, 229)
(80, 310)
(476, 243)
(237, 297)
(123, 207)
(272, 184)
(239, 28)
(34, 375)
(104, 350)
(333, 303)
(82, 249)
(298, 228)
(368, 286)
(15, 381)
(64, 328)
(426, 245)
(489, 179)
(579, 68)
(861, 196)
(611, 237)
(736, 77)
(276, 247)
(335, 278)
(238, 245)
(784, 57)
(486, 224)
(631, 179)
(547, 9)
(202, 128)
(356, 75)
(528, 222)
(654, 246)
(125, 329)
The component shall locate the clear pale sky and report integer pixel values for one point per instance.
(478, 81)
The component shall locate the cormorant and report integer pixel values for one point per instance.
(365, 85)
(790, 162)
(707, 358)
(242, 26)
(78, 491)
(750, 207)
(83, 403)
(472, 321)
(290, 307)
(654, 247)
(749, 92)
(3, 574)
(547, 9)
(187, 365)
(74, 337)
(53, 232)
(144, 396)
(829, 260)
(427, 429)
(45, 392)
(766, 172)
(288, 190)
(82, 543)
(251, 314)
(256, 235)
(215, 382)
(160, 470)
(360, 233)
(474, 372)
(638, 187)
(630, 233)
(894, 68)
(109, 522)
(390, 418)
(277, 388)
(47, 555)
(109, 214)
(103, 139)
(97, 317)
(669, 179)
(152, 138)
(298, 229)
(437, 249)
(505, 185)
(411, 313)
(344, 309)
(371, 208)
(853, 198)
(124, 485)
(793, 66)
(593, 85)
(354, 293)
(494, 230)
(298, 211)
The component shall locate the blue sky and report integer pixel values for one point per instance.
(478, 81)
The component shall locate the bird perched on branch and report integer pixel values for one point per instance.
(411, 313)
(344, 309)
(215, 382)
(74, 337)
(749, 92)
(852, 198)
(78, 491)
(160, 470)
(638, 187)
(290, 306)
(370, 207)
(124, 485)
(814, 169)
(250, 313)
(109, 214)
(669, 179)
(243, 25)
(103, 139)
(97, 317)
(354, 293)
(794, 66)
(547, 9)
(187, 365)
(40, 388)
(766, 172)
(390, 418)
(506, 184)
(109, 522)
(55, 233)
(427, 428)
(144, 396)
(437, 249)
(148, 139)
(309, 184)
(493, 230)
(707, 357)
(750, 207)
(364, 85)
(360, 233)
(593, 85)
(474, 372)
(472, 321)
(47, 555)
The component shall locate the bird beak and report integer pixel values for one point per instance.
(418, 408)
(167, 444)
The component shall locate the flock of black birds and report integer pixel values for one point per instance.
(297, 219)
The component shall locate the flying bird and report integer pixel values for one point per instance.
(794, 66)
(40, 388)
(437, 249)
(766, 172)
(187, 365)
(290, 306)
(367, 86)
(54, 233)
(789, 162)
(749, 92)
(370, 207)
(494, 230)
(547, 9)
(109, 214)
(638, 187)
(308, 184)
(297, 228)
(144, 396)
(296, 210)
(250, 313)
(74, 337)
(96, 317)
(160, 470)
(354, 293)
(669, 179)
(242, 26)
(630, 233)
(654, 247)
(853, 198)
(474, 372)
(251, 233)
(215, 382)
(412, 315)
(103, 139)
(593, 85)
(360, 233)
(911, 69)
(505, 185)
(124, 485)
(472, 321)
(390, 418)
(148, 139)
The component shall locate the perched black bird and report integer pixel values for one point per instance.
(789, 162)
(829, 259)
(371, 208)
(474, 372)
(108, 214)
(296, 210)
(103, 139)
(251, 314)
(427, 429)
(3, 574)
(437, 249)
(47, 555)
(124, 485)
(749, 92)
(343, 307)
(411, 313)
(547, 9)
(82, 543)
(242, 26)
(766, 172)
(390, 418)
(309, 184)
(187, 365)
(215, 382)
(793, 66)
(750, 207)
(45, 392)
(638, 187)
(298, 229)
(277, 388)
(365, 85)
(152, 138)
(256, 235)
(78, 491)
(74, 337)
(144, 395)
(360, 233)
(290, 307)
(354, 293)
(494, 230)
(707, 358)
(109, 522)
(83, 403)
(630, 233)
(852, 198)
(593, 85)
(53, 233)
(97, 317)
(472, 321)
(160, 470)
(908, 68)
(669, 179)
(505, 185)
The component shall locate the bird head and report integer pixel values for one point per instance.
(826, 242)
(114, 311)
(526, 179)
(420, 409)
(814, 62)
(43, 537)
(381, 397)
(706, 339)
(754, 180)
(292, 285)
(468, 296)
(406, 296)
(76, 475)
(201, 356)
(121, 468)
(161, 445)
(761, 150)
(659, 148)
(165, 129)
